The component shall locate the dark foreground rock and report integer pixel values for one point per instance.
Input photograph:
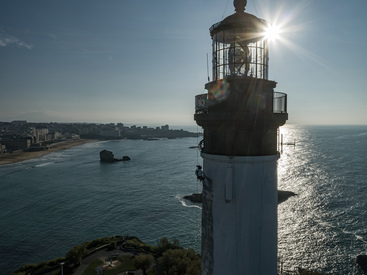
(196, 198)
(282, 197)
(107, 156)
(362, 262)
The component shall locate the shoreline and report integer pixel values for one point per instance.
(19, 156)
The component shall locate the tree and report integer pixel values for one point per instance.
(163, 242)
(75, 255)
(166, 262)
(180, 261)
(176, 243)
(143, 262)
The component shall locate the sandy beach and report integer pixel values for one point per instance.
(18, 156)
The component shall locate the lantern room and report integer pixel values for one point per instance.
(239, 46)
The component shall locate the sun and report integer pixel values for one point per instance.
(272, 32)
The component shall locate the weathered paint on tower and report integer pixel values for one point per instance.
(240, 115)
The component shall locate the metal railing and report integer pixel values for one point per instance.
(201, 103)
(279, 103)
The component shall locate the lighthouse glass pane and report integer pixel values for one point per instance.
(233, 57)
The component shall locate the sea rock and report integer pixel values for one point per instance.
(362, 262)
(107, 156)
(282, 197)
(196, 198)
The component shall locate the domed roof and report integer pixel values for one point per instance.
(244, 21)
(241, 22)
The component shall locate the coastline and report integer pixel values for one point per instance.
(19, 156)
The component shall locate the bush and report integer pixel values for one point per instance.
(143, 262)
(135, 243)
(164, 245)
(26, 269)
(180, 261)
(76, 254)
(99, 242)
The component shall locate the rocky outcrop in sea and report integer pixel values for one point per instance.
(362, 262)
(107, 156)
(282, 196)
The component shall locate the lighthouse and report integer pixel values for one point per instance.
(240, 115)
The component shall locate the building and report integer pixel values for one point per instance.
(240, 115)
(13, 143)
(40, 135)
(2, 149)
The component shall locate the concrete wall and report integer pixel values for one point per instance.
(244, 215)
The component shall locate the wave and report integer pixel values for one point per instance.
(360, 238)
(351, 136)
(183, 202)
(43, 164)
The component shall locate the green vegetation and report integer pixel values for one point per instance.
(136, 244)
(72, 258)
(76, 254)
(163, 245)
(143, 262)
(168, 257)
(112, 241)
(180, 261)
(30, 268)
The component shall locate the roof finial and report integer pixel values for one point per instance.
(239, 5)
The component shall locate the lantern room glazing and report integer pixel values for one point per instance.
(240, 48)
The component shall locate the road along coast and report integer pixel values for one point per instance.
(18, 156)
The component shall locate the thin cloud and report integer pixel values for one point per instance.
(8, 41)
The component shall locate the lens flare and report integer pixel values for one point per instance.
(220, 91)
(272, 32)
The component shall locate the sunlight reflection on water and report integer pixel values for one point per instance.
(317, 228)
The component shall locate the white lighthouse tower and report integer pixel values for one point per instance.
(240, 115)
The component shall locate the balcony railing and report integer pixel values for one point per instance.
(279, 103)
(201, 103)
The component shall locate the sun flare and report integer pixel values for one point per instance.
(272, 32)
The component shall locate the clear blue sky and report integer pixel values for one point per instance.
(144, 61)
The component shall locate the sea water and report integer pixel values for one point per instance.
(324, 227)
(52, 203)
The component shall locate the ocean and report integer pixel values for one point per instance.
(52, 203)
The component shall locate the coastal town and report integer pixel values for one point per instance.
(31, 137)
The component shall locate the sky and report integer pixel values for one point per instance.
(143, 62)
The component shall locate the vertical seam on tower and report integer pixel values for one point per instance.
(261, 211)
(235, 216)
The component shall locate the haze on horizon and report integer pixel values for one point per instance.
(144, 62)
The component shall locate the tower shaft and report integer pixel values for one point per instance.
(240, 115)
(239, 230)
